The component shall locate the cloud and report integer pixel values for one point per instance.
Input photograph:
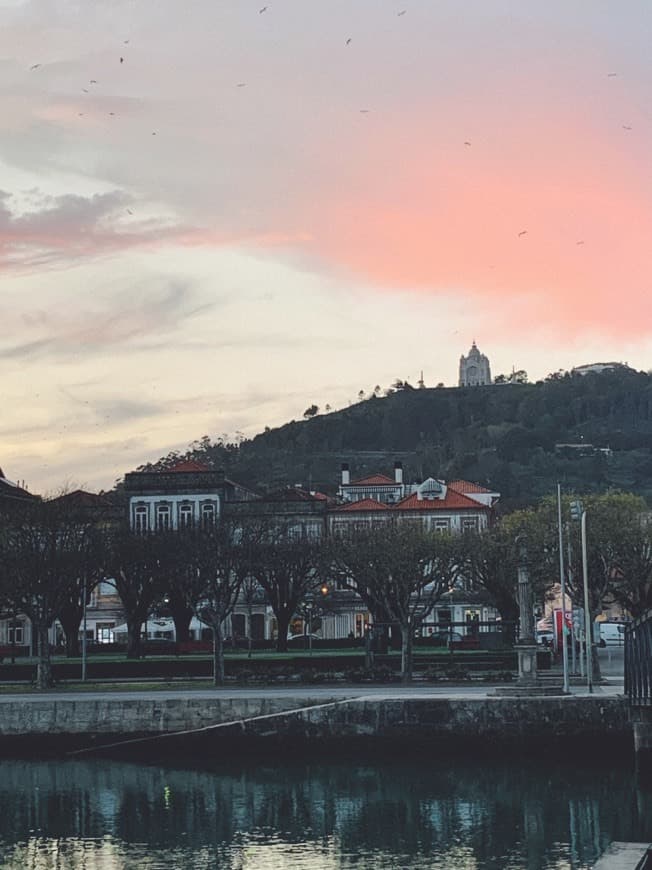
(138, 318)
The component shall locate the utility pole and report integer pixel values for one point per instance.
(578, 513)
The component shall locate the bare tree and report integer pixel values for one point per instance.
(44, 550)
(287, 569)
(137, 565)
(403, 569)
(218, 558)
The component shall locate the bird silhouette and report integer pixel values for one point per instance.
(579, 243)
(522, 233)
(402, 12)
(241, 85)
(84, 90)
(35, 66)
(126, 42)
(154, 133)
(129, 211)
(626, 127)
(348, 41)
(264, 9)
(467, 143)
(111, 113)
(93, 81)
(122, 60)
(611, 75)
(364, 111)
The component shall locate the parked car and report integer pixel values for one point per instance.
(612, 633)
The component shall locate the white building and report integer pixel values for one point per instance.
(475, 370)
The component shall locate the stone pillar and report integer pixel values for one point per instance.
(526, 648)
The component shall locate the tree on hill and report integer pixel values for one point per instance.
(311, 411)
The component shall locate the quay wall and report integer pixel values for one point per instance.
(219, 725)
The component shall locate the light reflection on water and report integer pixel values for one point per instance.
(104, 815)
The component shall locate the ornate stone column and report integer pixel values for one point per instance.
(526, 647)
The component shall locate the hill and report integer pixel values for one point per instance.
(509, 437)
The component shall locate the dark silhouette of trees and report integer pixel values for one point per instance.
(287, 569)
(45, 551)
(402, 569)
(138, 565)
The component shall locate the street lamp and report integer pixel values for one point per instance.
(578, 513)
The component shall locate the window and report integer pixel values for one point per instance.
(469, 524)
(141, 519)
(442, 526)
(185, 515)
(208, 514)
(104, 632)
(163, 517)
(15, 632)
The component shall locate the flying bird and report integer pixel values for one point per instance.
(122, 60)
(93, 81)
(264, 9)
(241, 85)
(129, 211)
(348, 41)
(126, 42)
(35, 66)
(84, 90)
(111, 113)
(625, 127)
(522, 233)
(611, 75)
(402, 12)
(579, 243)
(467, 143)
(153, 132)
(364, 111)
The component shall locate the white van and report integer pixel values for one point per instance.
(612, 633)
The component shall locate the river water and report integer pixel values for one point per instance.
(453, 813)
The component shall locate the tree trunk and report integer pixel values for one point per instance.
(70, 622)
(406, 653)
(181, 615)
(44, 667)
(218, 655)
(283, 624)
(134, 648)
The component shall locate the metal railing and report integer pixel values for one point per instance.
(638, 660)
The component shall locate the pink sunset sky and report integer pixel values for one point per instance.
(255, 211)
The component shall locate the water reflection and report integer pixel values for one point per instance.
(458, 813)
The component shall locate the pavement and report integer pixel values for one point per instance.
(611, 663)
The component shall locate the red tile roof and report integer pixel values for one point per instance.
(365, 504)
(81, 498)
(373, 480)
(464, 486)
(454, 501)
(188, 465)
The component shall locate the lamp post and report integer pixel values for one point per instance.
(578, 513)
(83, 663)
(562, 580)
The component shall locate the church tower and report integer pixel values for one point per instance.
(474, 369)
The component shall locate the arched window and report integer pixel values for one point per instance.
(208, 514)
(141, 518)
(185, 515)
(163, 517)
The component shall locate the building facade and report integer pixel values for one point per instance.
(475, 370)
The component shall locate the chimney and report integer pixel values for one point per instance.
(346, 474)
(398, 472)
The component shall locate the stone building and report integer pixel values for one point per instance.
(474, 369)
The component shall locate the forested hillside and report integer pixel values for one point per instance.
(505, 436)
